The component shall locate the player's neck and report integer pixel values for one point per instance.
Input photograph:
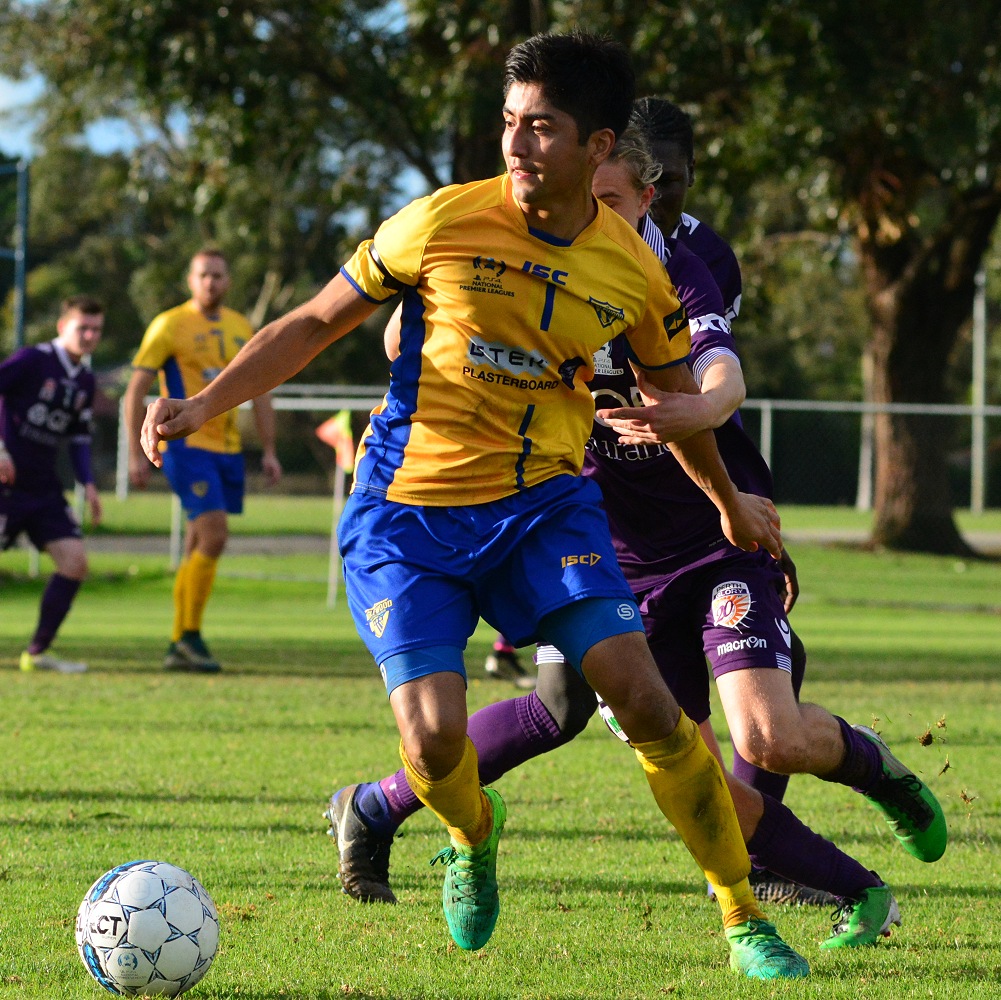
(565, 219)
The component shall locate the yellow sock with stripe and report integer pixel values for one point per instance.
(180, 588)
(457, 799)
(690, 790)
(198, 586)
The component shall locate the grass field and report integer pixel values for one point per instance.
(228, 775)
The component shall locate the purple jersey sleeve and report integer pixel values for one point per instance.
(718, 256)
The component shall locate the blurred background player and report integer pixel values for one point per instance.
(46, 396)
(189, 345)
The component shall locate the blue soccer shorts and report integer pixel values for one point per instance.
(419, 578)
(204, 480)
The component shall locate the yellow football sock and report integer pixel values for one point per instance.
(457, 799)
(198, 586)
(690, 790)
(180, 587)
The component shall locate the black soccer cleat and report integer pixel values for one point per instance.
(363, 865)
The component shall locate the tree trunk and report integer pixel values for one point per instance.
(920, 295)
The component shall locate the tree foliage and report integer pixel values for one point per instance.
(851, 150)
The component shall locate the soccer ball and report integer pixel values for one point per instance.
(147, 928)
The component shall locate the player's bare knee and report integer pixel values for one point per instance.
(772, 752)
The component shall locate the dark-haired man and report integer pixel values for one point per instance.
(46, 397)
(467, 499)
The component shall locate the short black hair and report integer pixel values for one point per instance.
(590, 77)
(663, 121)
(85, 304)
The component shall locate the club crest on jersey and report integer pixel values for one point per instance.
(603, 361)
(607, 313)
(377, 616)
(200, 489)
(731, 603)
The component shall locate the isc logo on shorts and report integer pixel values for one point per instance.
(584, 559)
(731, 603)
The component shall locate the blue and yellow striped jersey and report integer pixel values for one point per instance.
(499, 327)
(189, 349)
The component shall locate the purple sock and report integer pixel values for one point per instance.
(505, 734)
(55, 606)
(768, 782)
(785, 845)
(862, 766)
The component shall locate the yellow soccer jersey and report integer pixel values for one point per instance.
(499, 327)
(189, 350)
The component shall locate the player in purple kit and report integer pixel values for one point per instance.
(698, 596)
(46, 395)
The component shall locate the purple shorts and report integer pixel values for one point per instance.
(728, 612)
(43, 517)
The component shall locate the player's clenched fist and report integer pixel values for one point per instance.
(167, 419)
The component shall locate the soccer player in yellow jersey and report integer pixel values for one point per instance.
(467, 498)
(189, 345)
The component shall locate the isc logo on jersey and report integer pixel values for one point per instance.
(731, 603)
(584, 559)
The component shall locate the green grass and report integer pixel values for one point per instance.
(150, 513)
(228, 775)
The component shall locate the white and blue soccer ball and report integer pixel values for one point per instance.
(147, 928)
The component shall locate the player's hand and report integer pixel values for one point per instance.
(753, 521)
(271, 468)
(93, 499)
(790, 591)
(664, 417)
(7, 471)
(139, 472)
(166, 420)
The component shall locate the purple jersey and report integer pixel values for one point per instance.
(46, 398)
(719, 257)
(662, 523)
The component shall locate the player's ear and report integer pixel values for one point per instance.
(600, 144)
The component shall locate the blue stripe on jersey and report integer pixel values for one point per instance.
(392, 426)
(526, 447)
(173, 380)
(556, 241)
(364, 295)
(655, 368)
(547, 311)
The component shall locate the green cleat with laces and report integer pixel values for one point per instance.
(863, 921)
(469, 897)
(911, 810)
(758, 952)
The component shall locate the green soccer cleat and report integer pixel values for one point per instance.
(469, 896)
(865, 920)
(757, 950)
(190, 653)
(910, 808)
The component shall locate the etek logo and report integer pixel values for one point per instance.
(584, 559)
(731, 603)
(514, 360)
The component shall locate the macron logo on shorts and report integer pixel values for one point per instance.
(377, 616)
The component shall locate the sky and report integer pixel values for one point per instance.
(15, 126)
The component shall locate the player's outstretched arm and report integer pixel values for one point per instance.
(748, 521)
(276, 353)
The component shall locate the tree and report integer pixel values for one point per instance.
(870, 125)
